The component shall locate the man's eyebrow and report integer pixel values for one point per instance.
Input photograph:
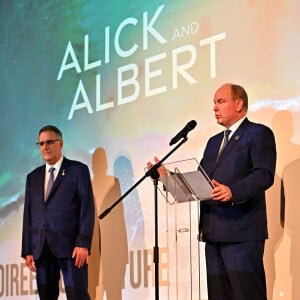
(218, 100)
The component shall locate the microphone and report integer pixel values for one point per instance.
(183, 133)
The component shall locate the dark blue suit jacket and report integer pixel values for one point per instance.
(66, 220)
(247, 166)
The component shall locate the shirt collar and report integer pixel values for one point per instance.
(236, 125)
(57, 165)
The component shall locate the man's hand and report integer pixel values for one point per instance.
(161, 170)
(81, 256)
(221, 192)
(30, 263)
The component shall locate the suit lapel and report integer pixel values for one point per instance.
(217, 145)
(40, 182)
(231, 144)
(234, 140)
(213, 150)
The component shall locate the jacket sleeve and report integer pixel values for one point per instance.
(87, 209)
(26, 238)
(262, 155)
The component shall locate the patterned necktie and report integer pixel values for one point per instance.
(225, 141)
(50, 182)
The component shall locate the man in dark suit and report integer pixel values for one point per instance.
(58, 220)
(241, 162)
(233, 223)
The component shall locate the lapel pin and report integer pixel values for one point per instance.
(63, 173)
(237, 137)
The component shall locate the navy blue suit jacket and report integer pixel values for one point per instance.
(66, 220)
(247, 166)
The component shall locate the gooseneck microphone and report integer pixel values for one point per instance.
(183, 133)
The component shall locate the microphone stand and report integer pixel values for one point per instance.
(154, 174)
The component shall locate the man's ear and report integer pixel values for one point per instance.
(239, 104)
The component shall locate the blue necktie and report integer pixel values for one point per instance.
(50, 182)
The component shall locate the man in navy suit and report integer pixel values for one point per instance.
(233, 222)
(58, 224)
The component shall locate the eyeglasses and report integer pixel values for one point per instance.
(47, 143)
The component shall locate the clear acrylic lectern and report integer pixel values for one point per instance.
(183, 189)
